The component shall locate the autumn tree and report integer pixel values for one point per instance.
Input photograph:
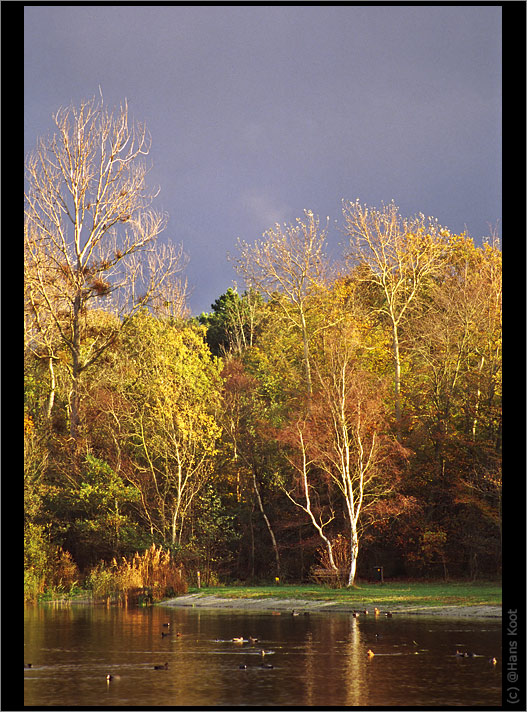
(168, 421)
(455, 346)
(401, 256)
(289, 266)
(91, 233)
(343, 441)
(455, 398)
(242, 418)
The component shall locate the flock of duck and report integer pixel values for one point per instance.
(459, 654)
(110, 677)
(376, 612)
(177, 634)
(370, 654)
(252, 640)
(263, 653)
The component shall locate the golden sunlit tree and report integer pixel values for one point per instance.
(90, 234)
(401, 255)
(289, 266)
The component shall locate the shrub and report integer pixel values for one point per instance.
(47, 568)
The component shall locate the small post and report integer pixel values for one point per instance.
(199, 579)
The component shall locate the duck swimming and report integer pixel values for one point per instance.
(161, 667)
(370, 654)
(252, 640)
(112, 677)
(493, 661)
(376, 611)
(238, 640)
(355, 614)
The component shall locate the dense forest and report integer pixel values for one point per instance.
(337, 415)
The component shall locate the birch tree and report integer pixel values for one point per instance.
(345, 460)
(355, 452)
(91, 236)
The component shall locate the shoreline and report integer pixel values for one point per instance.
(200, 600)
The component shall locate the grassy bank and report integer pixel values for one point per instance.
(388, 595)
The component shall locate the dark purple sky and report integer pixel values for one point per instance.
(257, 113)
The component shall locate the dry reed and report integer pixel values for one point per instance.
(152, 573)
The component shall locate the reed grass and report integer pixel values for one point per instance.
(152, 574)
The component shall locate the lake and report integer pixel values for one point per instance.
(315, 660)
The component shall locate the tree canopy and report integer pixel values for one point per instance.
(339, 415)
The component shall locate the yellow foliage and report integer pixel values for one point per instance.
(29, 425)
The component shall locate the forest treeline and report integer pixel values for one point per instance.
(336, 415)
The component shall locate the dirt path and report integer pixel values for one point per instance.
(199, 600)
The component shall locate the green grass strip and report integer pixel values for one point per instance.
(387, 595)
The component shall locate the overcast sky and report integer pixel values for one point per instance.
(258, 113)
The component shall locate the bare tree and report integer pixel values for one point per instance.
(288, 263)
(401, 255)
(91, 232)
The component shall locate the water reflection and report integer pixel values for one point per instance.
(353, 666)
(315, 660)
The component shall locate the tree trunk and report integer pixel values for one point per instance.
(252, 541)
(76, 369)
(268, 523)
(307, 365)
(174, 528)
(478, 396)
(397, 382)
(354, 553)
(52, 387)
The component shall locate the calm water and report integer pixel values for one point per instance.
(318, 659)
